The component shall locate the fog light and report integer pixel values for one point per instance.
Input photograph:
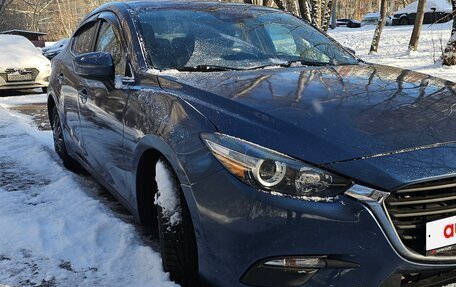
(297, 263)
(290, 271)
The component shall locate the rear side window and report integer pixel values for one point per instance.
(83, 40)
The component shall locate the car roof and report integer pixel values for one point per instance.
(178, 4)
(185, 4)
(16, 39)
(123, 7)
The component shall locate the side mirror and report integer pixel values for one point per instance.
(433, 9)
(95, 66)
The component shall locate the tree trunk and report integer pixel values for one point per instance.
(316, 19)
(449, 55)
(334, 15)
(3, 5)
(327, 16)
(281, 4)
(413, 45)
(357, 14)
(292, 4)
(380, 24)
(267, 3)
(305, 10)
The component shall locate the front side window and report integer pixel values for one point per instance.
(233, 38)
(109, 42)
(82, 42)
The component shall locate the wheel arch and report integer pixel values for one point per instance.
(404, 17)
(150, 149)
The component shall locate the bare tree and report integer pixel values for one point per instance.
(306, 10)
(66, 19)
(413, 45)
(281, 4)
(95, 3)
(327, 15)
(3, 5)
(316, 13)
(37, 8)
(357, 13)
(449, 55)
(380, 24)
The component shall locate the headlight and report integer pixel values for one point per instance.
(272, 171)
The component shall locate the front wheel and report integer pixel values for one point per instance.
(177, 236)
(404, 21)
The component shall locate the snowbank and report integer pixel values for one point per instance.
(53, 232)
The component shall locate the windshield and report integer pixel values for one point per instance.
(234, 39)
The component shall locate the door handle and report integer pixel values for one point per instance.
(83, 95)
(61, 77)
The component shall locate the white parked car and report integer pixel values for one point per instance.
(22, 65)
(372, 19)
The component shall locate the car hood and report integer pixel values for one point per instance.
(326, 115)
(23, 58)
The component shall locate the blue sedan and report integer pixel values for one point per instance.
(258, 150)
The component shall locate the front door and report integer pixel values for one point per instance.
(102, 110)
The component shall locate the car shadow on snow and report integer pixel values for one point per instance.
(18, 93)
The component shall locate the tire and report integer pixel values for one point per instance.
(404, 21)
(59, 144)
(45, 90)
(177, 241)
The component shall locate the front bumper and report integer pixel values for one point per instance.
(237, 227)
(41, 80)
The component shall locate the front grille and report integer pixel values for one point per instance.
(412, 207)
(421, 279)
(34, 71)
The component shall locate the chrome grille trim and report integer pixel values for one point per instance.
(409, 210)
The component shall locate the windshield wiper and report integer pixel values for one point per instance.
(287, 64)
(206, 68)
(306, 63)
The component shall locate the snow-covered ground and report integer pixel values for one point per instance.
(393, 48)
(54, 228)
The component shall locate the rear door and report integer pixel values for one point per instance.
(102, 108)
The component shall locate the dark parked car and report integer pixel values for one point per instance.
(350, 23)
(436, 11)
(289, 161)
(53, 50)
